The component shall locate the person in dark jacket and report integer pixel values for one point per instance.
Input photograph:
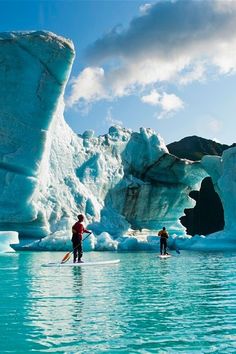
(77, 231)
(163, 241)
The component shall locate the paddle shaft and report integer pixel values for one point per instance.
(86, 236)
(82, 241)
(67, 256)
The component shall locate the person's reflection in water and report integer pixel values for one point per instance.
(77, 274)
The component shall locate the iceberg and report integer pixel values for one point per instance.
(126, 183)
(6, 239)
(34, 69)
(222, 171)
(155, 186)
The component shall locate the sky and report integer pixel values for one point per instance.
(165, 65)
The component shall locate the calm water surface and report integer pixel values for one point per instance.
(185, 304)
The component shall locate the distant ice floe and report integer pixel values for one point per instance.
(6, 239)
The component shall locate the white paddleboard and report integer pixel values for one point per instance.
(164, 255)
(84, 264)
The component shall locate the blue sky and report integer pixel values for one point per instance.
(167, 65)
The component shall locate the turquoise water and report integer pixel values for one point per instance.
(185, 304)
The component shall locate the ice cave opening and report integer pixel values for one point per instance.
(207, 216)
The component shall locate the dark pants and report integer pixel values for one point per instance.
(77, 250)
(163, 245)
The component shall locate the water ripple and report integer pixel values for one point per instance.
(186, 304)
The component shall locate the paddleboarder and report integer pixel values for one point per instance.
(163, 234)
(77, 230)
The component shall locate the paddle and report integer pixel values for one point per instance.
(68, 254)
(177, 251)
(176, 248)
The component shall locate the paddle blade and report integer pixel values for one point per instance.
(66, 257)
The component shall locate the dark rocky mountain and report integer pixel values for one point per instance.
(208, 215)
(194, 148)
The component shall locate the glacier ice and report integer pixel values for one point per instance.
(126, 183)
(33, 74)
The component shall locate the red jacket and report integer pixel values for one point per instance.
(78, 230)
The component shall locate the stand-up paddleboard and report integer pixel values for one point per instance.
(84, 264)
(164, 255)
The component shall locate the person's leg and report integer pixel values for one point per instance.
(161, 245)
(75, 251)
(165, 245)
(80, 252)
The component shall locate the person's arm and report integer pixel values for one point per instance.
(87, 231)
(159, 233)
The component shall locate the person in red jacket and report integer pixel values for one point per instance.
(77, 231)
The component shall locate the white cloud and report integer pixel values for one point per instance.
(174, 42)
(171, 102)
(195, 73)
(168, 103)
(111, 120)
(145, 8)
(89, 86)
(153, 98)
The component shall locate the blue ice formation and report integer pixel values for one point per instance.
(126, 183)
(34, 69)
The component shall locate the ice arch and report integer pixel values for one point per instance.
(155, 186)
(223, 173)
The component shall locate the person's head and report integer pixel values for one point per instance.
(80, 217)
(163, 228)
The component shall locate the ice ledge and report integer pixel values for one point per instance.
(48, 34)
(44, 46)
